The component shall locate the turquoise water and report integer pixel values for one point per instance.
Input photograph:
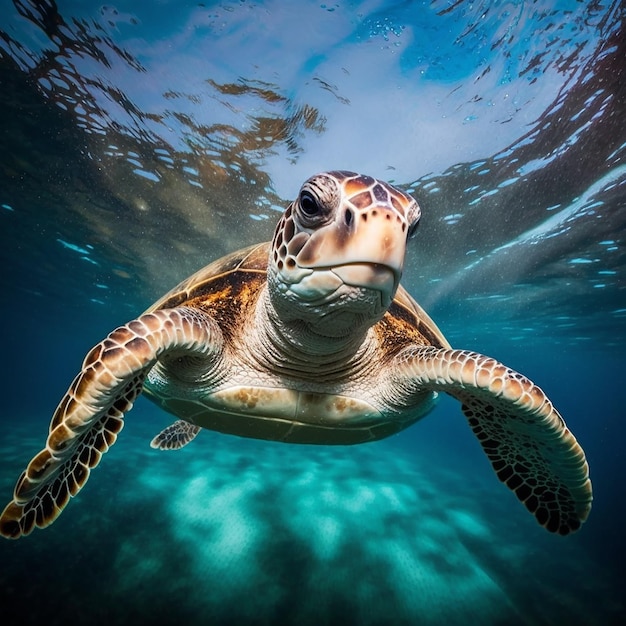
(141, 141)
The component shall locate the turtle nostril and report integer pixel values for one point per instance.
(348, 217)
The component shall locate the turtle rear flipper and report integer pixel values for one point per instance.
(529, 446)
(175, 436)
(91, 413)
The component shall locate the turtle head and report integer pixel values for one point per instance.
(338, 250)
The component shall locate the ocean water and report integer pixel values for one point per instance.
(141, 141)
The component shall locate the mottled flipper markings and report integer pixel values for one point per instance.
(175, 436)
(91, 413)
(47, 503)
(523, 435)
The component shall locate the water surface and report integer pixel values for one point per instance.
(142, 141)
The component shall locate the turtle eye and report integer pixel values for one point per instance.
(309, 205)
(317, 202)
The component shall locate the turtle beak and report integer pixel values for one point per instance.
(371, 276)
(366, 252)
(324, 284)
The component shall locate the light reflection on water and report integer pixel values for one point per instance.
(140, 144)
(171, 135)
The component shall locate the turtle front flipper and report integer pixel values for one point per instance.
(525, 438)
(90, 415)
(175, 436)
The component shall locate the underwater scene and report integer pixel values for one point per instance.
(143, 140)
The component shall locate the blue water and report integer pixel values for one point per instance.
(142, 140)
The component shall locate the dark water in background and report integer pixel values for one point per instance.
(142, 140)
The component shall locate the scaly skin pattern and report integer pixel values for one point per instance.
(175, 436)
(523, 435)
(88, 419)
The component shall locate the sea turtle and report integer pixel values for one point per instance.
(307, 339)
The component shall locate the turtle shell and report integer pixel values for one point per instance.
(228, 288)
